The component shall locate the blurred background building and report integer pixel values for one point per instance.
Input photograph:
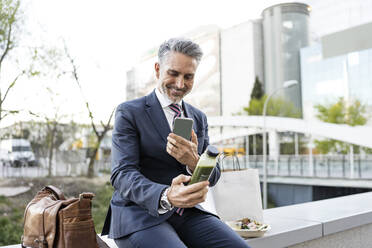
(241, 61)
(286, 31)
(332, 69)
(287, 43)
(330, 16)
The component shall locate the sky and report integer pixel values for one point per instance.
(106, 38)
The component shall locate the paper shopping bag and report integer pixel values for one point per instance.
(237, 195)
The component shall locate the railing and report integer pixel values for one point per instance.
(323, 166)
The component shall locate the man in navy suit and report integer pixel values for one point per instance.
(152, 206)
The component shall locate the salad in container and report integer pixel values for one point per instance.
(248, 228)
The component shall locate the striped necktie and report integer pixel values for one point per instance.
(176, 108)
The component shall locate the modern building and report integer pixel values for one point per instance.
(232, 58)
(330, 16)
(285, 32)
(332, 69)
(241, 63)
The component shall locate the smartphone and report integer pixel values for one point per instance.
(182, 127)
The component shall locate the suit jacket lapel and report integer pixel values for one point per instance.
(157, 116)
(189, 113)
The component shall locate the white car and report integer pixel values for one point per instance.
(18, 151)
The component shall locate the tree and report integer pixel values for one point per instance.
(341, 112)
(351, 113)
(257, 91)
(49, 62)
(54, 136)
(42, 133)
(106, 126)
(275, 107)
(9, 19)
(11, 30)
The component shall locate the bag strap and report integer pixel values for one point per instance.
(56, 191)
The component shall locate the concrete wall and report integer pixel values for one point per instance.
(358, 237)
(353, 39)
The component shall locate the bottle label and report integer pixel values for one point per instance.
(201, 173)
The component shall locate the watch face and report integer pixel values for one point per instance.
(166, 204)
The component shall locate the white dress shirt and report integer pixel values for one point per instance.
(165, 102)
(169, 114)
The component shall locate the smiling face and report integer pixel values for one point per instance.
(176, 75)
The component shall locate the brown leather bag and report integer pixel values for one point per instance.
(52, 221)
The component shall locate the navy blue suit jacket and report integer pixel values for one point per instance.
(141, 166)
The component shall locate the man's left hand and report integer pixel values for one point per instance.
(184, 151)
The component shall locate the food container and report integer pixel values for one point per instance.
(259, 231)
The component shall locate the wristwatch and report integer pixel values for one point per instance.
(164, 202)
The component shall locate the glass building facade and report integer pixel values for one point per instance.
(325, 80)
(285, 32)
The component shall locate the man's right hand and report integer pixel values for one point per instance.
(188, 196)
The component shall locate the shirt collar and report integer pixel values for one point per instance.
(164, 100)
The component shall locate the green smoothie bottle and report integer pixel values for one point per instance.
(205, 166)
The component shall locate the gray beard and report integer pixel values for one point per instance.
(163, 91)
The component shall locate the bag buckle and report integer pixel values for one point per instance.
(85, 195)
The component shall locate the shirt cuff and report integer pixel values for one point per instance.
(188, 170)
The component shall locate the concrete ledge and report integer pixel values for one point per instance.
(285, 232)
(315, 220)
(315, 224)
(318, 181)
(358, 237)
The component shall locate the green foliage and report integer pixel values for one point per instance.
(341, 112)
(255, 107)
(10, 23)
(257, 91)
(275, 107)
(11, 222)
(100, 205)
(9, 16)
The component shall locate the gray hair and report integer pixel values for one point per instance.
(180, 45)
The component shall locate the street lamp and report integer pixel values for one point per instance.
(286, 84)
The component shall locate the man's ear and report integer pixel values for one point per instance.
(157, 70)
